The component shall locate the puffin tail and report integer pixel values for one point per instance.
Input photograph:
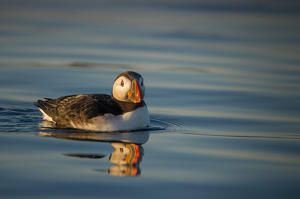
(47, 109)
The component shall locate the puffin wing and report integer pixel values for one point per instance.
(76, 110)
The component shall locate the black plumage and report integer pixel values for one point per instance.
(79, 109)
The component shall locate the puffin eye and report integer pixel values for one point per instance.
(142, 83)
(122, 83)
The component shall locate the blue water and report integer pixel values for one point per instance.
(222, 88)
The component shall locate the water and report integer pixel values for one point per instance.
(222, 88)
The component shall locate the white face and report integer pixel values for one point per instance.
(123, 85)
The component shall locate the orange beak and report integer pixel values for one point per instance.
(135, 93)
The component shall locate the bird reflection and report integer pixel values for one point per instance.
(126, 157)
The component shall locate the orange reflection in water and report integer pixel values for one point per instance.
(127, 155)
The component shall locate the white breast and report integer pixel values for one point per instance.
(136, 119)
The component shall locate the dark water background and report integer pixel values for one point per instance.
(222, 87)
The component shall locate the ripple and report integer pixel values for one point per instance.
(226, 127)
(169, 123)
(18, 119)
(26, 120)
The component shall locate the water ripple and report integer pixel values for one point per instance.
(227, 127)
(18, 119)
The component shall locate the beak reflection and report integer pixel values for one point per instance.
(127, 157)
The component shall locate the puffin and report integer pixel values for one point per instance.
(124, 109)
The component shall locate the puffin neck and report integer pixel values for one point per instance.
(128, 106)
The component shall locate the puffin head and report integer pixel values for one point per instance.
(129, 87)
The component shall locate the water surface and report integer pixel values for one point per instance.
(222, 87)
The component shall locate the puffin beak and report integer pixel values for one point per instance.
(135, 93)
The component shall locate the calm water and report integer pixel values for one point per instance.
(222, 87)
